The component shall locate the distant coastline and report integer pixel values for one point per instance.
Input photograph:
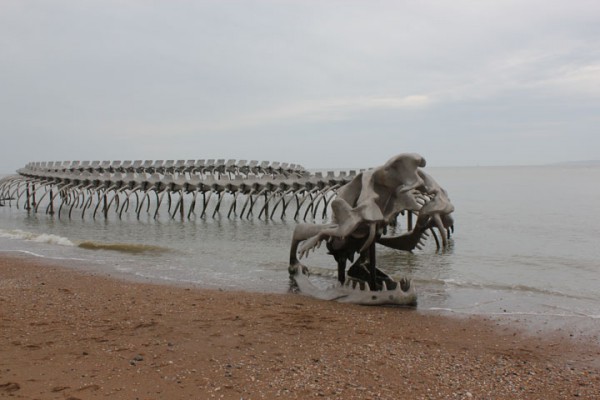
(577, 163)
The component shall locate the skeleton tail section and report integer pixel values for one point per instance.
(182, 188)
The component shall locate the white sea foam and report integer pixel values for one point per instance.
(36, 237)
(518, 313)
(31, 253)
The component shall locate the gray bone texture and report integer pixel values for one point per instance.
(359, 206)
(184, 187)
(361, 213)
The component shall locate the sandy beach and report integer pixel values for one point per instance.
(66, 334)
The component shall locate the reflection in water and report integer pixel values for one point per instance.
(428, 264)
(429, 270)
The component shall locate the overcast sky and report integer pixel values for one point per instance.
(320, 83)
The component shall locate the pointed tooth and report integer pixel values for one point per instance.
(367, 287)
(405, 282)
(384, 286)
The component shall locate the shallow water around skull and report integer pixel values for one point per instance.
(524, 247)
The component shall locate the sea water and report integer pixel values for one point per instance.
(526, 244)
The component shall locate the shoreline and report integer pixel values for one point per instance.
(579, 327)
(80, 334)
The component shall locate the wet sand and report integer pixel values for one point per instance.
(72, 335)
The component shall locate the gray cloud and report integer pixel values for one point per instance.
(319, 83)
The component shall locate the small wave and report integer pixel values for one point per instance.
(571, 314)
(36, 237)
(460, 284)
(132, 248)
(323, 272)
(502, 287)
(31, 253)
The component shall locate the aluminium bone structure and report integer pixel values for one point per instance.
(363, 205)
(363, 209)
(97, 187)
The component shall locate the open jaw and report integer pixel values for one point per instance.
(356, 291)
(361, 214)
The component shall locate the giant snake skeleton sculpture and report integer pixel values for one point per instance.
(363, 205)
